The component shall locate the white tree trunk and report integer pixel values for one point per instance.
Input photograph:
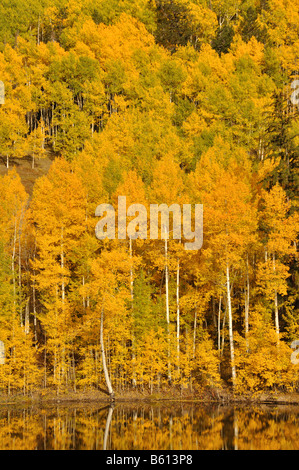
(62, 268)
(166, 282)
(247, 297)
(178, 312)
(167, 306)
(219, 324)
(105, 368)
(230, 326)
(134, 382)
(276, 306)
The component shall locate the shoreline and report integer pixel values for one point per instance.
(133, 397)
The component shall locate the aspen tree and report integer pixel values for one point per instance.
(224, 188)
(59, 223)
(167, 188)
(109, 289)
(281, 229)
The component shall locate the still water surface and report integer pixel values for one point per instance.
(149, 427)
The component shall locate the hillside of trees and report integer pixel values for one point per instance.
(161, 101)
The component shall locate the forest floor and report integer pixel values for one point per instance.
(24, 168)
(224, 397)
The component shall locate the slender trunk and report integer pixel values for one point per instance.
(194, 330)
(166, 282)
(56, 348)
(62, 269)
(223, 331)
(247, 297)
(105, 368)
(27, 317)
(20, 264)
(230, 326)
(45, 363)
(62, 368)
(131, 273)
(34, 301)
(13, 266)
(219, 330)
(276, 315)
(132, 308)
(178, 312)
(195, 326)
(219, 324)
(276, 306)
(74, 367)
(83, 297)
(167, 306)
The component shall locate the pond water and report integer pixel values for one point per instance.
(136, 426)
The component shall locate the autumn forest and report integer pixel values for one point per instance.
(164, 102)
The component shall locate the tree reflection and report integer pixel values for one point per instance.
(107, 428)
(154, 427)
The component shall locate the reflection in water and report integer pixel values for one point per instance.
(153, 427)
(107, 427)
